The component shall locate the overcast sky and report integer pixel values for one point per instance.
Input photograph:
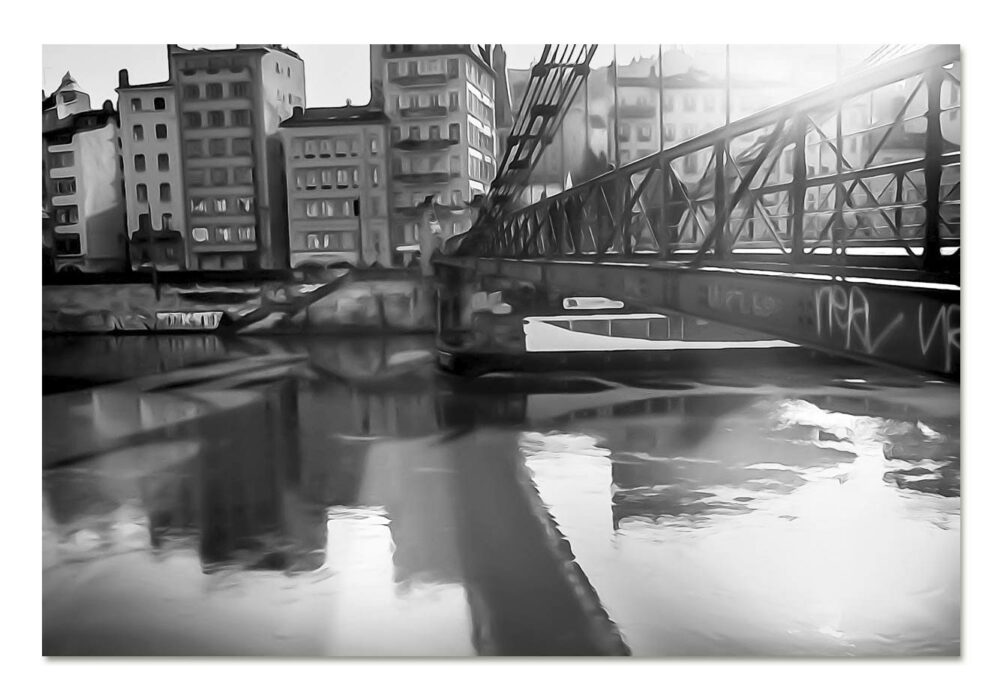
(336, 73)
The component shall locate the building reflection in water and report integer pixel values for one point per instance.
(541, 515)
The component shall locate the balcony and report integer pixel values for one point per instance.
(424, 177)
(427, 80)
(433, 111)
(637, 110)
(424, 144)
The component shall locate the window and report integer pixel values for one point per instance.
(313, 209)
(213, 90)
(217, 147)
(140, 163)
(452, 67)
(394, 135)
(454, 165)
(163, 162)
(199, 205)
(216, 119)
(372, 145)
(199, 234)
(626, 155)
(669, 132)
(688, 130)
(193, 148)
(435, 133)
(220, 177)
(192, 119)
(341, 148)
(137, 133)
(691, 164)
(191, 92)
(689, 102)
(454, 132)
(325, 148)
(243, 175)
(245, 233)
(159, 104)
(374, 206)
(244, 204)
(61, 159)
(312, 241)
(161, 131)
(141, 194)
(164, 193)
(224, 234)
(67, 215)
(645, 133)
(375, 176)
(196, 177)
(452, 101)
(240, 89)
(624, 131)
(67, 245)
(137, 105)
(221, 205)
(341, 178)
(668, 103)
(62, 187)
(241, 146)
(241, 117)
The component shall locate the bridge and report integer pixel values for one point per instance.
(831, 220)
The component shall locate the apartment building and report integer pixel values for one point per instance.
(442, 119)
(82, 181)
(231, 103)
(337, 192)
(156, 210)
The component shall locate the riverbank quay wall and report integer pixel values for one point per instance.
(389, 300)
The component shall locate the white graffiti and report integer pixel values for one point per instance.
(944, 331)
(742, 302)
(847, 314)
(188, 321)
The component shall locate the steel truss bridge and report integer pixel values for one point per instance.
(831, 220)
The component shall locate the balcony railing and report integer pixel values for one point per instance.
(637, 110)
(424, 80)
(425, 144)
(433, 111)
(424, 177)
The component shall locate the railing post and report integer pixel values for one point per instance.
(932, 170)
(721, 201)
(798, 188)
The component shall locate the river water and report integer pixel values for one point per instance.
(340, 496)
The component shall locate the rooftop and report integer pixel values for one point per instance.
(334, 115)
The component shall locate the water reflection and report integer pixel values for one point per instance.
(346, 499)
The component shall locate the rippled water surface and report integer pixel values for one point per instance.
(340, 497)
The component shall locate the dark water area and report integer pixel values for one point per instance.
(342, 497)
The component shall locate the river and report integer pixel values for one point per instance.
(341, 497)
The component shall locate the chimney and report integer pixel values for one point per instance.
(122, 78)
(297, 112)
(348, 102)
(108, 106)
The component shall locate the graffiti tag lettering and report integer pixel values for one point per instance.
(944, 331)
(188, 321)
(738, 301)
(847, 315)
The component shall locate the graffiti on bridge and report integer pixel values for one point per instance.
(188, 321)
(848, 316)
(726, 298)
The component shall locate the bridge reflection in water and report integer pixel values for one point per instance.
(341, 497)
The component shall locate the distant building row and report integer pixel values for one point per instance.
(222, 167)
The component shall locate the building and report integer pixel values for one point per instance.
(82, 181)
(151, 165)
(335, 170)
(440, 103)
(231, 103)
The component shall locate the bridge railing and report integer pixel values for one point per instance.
(871, 164)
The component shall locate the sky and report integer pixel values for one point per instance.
(336, 73)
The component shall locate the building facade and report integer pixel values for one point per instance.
(231, 103)
(440, 103)
(337, 192)
(82, 182)
(151, 165)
